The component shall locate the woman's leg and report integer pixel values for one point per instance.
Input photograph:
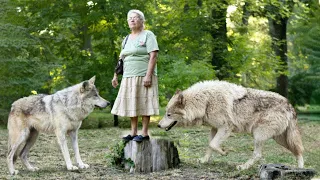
(134, 126)
(145, 125)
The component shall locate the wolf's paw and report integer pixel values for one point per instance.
(72, 168)
(33, 169)
(14, 172)
(203, 160)
(83, 166)
(224, 152)
(242, 167)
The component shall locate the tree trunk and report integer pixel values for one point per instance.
(150, 156)
(86, 39)
(278, 31)
(220, 40)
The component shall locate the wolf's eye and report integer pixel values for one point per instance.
(168, 115)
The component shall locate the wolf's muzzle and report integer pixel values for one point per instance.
(103, 105)
(171, 125)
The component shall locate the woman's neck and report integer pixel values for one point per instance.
(136, 31)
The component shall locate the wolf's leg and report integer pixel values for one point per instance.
(261, 134)
(16, 138)
(257, 154)
(74, 139)
(206, 158)
(222, 134)
(62, 141)
(300, 160)
(25, 151)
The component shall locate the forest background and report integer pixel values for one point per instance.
(47, 45)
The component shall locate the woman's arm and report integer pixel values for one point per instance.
(114, 81)
(152, 64)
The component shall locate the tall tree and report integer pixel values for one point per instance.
(278, 14)
(218, 31)
(22, 67)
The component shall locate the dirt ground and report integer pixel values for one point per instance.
(97, 143)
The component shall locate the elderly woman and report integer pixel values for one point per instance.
(138, 93)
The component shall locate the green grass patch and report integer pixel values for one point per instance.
(309, 116)
(309, 109)
(97, 146)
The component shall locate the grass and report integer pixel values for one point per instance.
(307, 109)
(96, 144)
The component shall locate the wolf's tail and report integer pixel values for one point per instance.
(293, 138)
(10, 135)
(15, 156)
(9, 130)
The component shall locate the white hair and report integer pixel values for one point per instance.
(140, 14)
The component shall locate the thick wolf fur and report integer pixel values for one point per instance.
(227, 108)
(60, 113)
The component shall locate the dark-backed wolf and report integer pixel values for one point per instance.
(227, 108)
(60, 113)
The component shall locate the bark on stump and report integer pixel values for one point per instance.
(279, 171)
(151, 155)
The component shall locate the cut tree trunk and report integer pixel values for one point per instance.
(151, 155)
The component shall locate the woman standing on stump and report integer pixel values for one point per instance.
(138, 93)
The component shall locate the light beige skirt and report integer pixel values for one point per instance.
(134, 99)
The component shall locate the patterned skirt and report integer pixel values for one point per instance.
(136, 100)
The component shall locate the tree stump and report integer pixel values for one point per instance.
(150, 156)
(279, 171)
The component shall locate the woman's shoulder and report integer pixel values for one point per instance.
(149, 33)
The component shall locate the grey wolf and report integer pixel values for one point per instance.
(228, 108)
(60, 113)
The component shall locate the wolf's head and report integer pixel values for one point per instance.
(175, 112)
(90, 95)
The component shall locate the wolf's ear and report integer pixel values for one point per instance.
(92, 80)
(181, 100)
(84, 87)
(178, 91)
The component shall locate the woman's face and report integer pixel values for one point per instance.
(134, 21)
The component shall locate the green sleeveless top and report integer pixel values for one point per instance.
(136, 52)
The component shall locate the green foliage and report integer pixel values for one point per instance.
(304, 89)
(252, 62)
(177, 74)
(305, 57)
(116, 156)
(48, 45)
(23, 66)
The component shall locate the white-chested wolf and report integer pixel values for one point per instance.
(227, 108)
(60, 113)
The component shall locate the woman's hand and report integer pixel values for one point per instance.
(147, 81)
(115, 81)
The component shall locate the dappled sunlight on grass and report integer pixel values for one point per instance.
(155, 119)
